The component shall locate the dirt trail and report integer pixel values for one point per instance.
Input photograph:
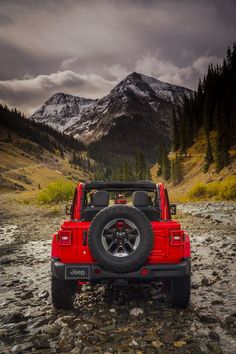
(121, 320)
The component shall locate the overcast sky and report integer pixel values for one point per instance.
(85, 47)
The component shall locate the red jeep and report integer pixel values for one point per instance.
(121, 244)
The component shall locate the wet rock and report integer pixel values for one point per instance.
(66, 340)
(217, 302)
(13, 317)
(41, 341)
(19, 348)
(27, 295)
(76, 351)
(149, 338)
(84, 328)
(3, 333)
(214, 348)
(199, 348)
(6, 260)
(136, 311)
(157, 344)
(67, 319)
(134, 344)
(169, 336)
(108, 328)
(90, 350)
(205, 281)
(230, 321)
(208, 281)
(206, 317)
(179, 344)
(52, 329)
(214, 336)
(34, 313)
(43, 294)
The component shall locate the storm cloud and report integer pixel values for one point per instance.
(86, 47)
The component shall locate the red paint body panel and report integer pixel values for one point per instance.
(166, 248)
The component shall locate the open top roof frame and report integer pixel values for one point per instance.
(124, 186)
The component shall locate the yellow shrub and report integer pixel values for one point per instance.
(212, 189)
(197, 191)
(56, 192)
(225, 189)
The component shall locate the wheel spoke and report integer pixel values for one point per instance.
(111, 246)
(131, 248)
(132, 234)
(118, 248)
(108, 234)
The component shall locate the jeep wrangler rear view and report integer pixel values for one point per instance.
(107, 242)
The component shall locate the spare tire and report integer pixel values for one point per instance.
(120, 238)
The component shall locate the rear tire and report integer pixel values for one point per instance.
(130, 262)
(63, 293)
(178, 292)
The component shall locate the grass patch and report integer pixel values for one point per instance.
(223, 190)
(56, 192)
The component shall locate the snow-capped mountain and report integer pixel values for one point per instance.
(139, 107)
(62, 110)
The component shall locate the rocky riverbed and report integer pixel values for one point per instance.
(116, 320)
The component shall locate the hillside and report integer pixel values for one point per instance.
(193, 164)
(26, 166)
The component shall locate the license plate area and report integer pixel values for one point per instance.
(77, 272)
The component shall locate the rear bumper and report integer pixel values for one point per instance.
(94, 273)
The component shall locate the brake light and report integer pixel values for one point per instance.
(176, 237)
(65, 238)
(144, 272)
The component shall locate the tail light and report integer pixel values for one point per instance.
(144, 272)
(65, 238)
(176, 237)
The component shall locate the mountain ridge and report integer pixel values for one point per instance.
(138, 103)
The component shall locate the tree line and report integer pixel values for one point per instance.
(41, 134)
(211, 107)
(131, 169)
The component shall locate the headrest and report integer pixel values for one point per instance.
(101, 199)
(140, 199)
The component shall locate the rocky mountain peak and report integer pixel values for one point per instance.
(138, 103)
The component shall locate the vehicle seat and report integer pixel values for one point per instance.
(100, 201)
(141, 201)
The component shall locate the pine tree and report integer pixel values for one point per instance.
(127, 172)
(176, 134)
(159, 160)
(148, 175)
(173, 172)
(176, 170)
(166, 167)
(140, 166)
(179, 169)
(209, 158)
(222, 153)
(164, 164)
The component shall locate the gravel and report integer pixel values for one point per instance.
(134, 319)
